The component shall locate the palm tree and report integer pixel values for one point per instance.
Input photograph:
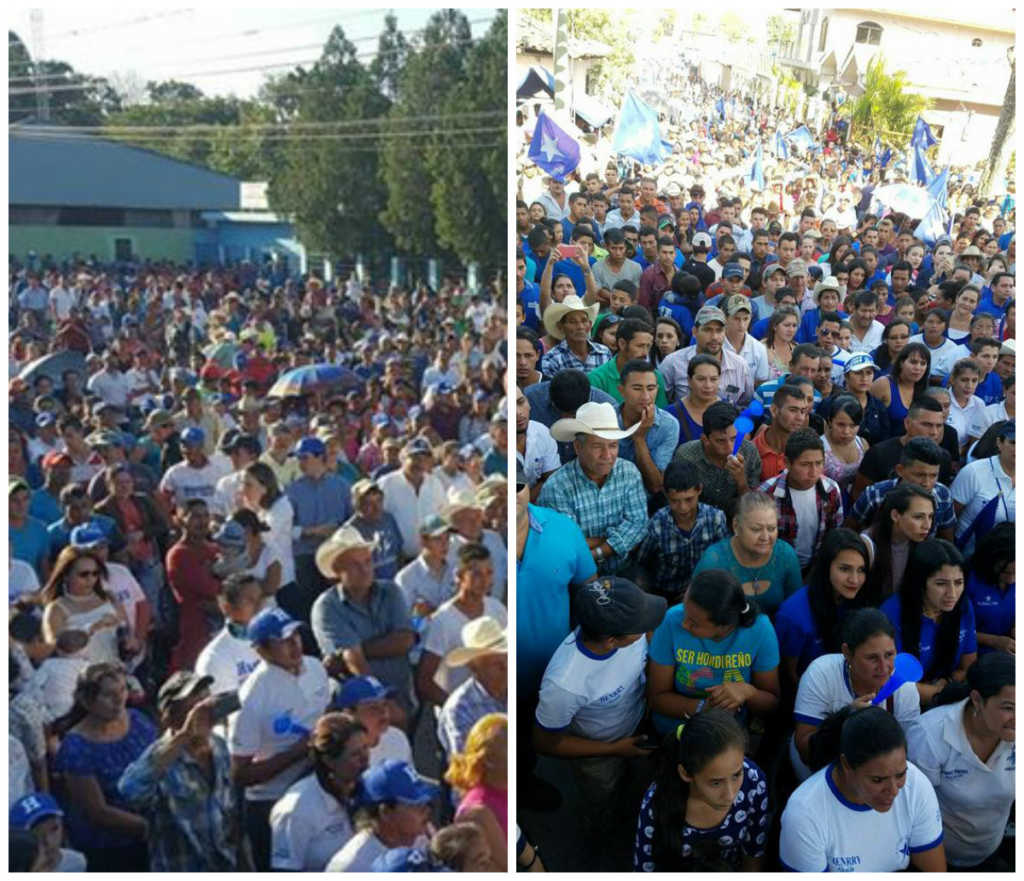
(1002, 140)
(887, 106)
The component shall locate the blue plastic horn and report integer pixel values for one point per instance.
(906, 668)
(744, 425)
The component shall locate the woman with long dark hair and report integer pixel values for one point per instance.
(933, 618)
(264, 497)
(895, 337)
(908, 381)
(808, 622)
(866, 809)
(844, 447)
(708, 805)
(992, 590)
(905, 518)
(851, 676)
(716, 630)
(966, 748)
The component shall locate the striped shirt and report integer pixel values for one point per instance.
(561, 357)
(671, 553)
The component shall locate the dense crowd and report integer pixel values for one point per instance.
(766, 446)
(256, 572)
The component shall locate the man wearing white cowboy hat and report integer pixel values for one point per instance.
(485, 652)
(601, 492)
(570, 321)
(363, 620)
(465, 513)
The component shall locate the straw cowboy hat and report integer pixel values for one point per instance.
(347, 538)
(460, 500)
(593, 418)
(481, 636)
(557, 311)
(828, 283)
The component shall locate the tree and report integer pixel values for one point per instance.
(432, 71)
(666, 24)
(733, 27)
(330, 186)
(1002, 141)
(392, 52)
(780, 31)
(172, 90)
(886, 107)
(71, 98)
(469, 190)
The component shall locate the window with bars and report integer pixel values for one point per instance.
(869, 32)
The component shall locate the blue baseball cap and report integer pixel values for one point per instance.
(394, 781)
(732, 270)
(45, 419)
(860, 361)
(405, 859)
(193, 437)
(88, 535)
(310, 446)
(357, 689)
(381, 419)
(445, 388)
(273, 623)
(30, 809)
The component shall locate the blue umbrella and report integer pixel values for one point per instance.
(315, 378)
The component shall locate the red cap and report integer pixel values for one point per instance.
(54, 458)
(210, 371)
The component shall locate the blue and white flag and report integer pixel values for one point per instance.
(781, 148)
(553, 149)
(922, 136)
(720, 108)
(938, 186)
(932, 225)
(756, 176)
(881, 157)
(801, 137)
(638, 133)
(920, 169)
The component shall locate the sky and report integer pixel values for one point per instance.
(172, 42)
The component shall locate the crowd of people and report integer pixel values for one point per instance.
(766, 445)
(256, 571)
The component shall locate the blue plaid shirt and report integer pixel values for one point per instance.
(870, 501)
(193, 826)
(671, 554)
(562, 358)
(617, 510)
(465, 706)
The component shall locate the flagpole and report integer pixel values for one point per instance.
(561, 59)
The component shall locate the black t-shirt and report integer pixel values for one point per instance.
(880, 460)
(704, 272)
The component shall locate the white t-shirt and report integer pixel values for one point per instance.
(140, 379)
(71, 861)
(358, 854)
(600, 698)
(499, 558)
(805, 505)
(963, 418)
(122, 586)
(308, 826)
(393, 744)
(279, 518)
(409, 507)
(822, 831)
(978, 483)
(444, 633)
(37, 448)
(825, 689)
(756, 356)
(872, 339)
(975, 796)
(992, 414)
(19, 771)
(272, 699)
(229, 660)
(186, 482)
(943, 357)
(112, 386)
(53, 682)
(541, 452)
(62, 300)
(417, 582)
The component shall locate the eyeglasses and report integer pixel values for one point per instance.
(823, 332)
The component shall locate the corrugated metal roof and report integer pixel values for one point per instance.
(90, 171)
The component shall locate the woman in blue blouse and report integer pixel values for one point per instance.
(933, 619)
(992, 590)
(92, 757)
(766, 567)
(707, 809)
(808, 622)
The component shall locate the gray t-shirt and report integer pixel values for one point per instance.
(606, 277)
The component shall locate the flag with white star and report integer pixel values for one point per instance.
(553, 149)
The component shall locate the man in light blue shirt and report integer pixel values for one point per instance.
(651, 446)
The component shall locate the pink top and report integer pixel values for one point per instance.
(489, 797)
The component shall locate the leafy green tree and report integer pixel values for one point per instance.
(469, 184)
(733, 27)
(331, 186)
(392, 53)
(887, 107)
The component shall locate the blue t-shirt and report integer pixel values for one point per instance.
(782, 570)
(556, 555)
(106, 762)
(994, 609)
(31, 543)
(44, 507)
(530, 298)
(990, 389)
(703, 663)
(967, 644)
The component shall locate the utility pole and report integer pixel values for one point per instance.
(38, 54)
(560, 51)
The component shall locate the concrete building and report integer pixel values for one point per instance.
(958, 61)
(73, 194)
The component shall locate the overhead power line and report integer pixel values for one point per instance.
(338, 136)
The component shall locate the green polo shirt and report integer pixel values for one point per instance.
(606, 378)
